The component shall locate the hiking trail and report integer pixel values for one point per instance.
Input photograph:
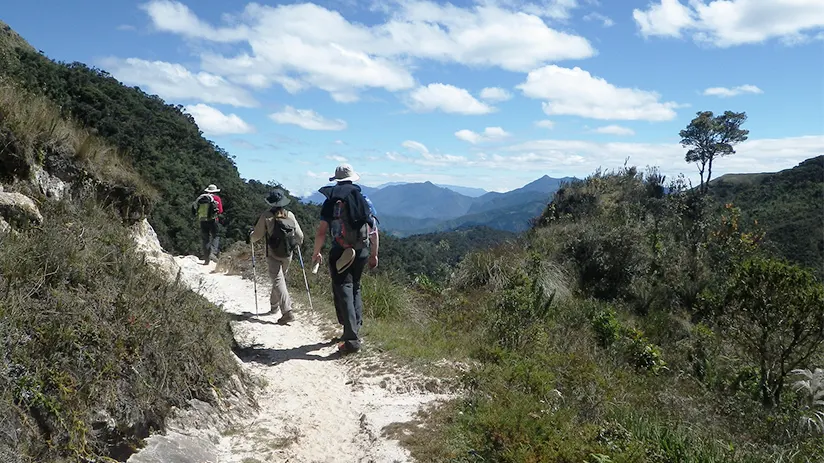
(314, 406)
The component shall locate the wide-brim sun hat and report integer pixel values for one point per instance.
(344, 173)
(277, 198)
(211, 189)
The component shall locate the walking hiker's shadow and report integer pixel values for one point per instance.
(271, 357)
(251, 318)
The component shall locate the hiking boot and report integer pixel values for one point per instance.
(348, 347)
(286, 318)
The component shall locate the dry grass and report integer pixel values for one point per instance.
(36, 127)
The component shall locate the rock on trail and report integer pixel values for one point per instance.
(314, 406)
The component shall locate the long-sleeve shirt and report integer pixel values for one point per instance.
(261, 232)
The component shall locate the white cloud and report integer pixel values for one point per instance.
(724, 92)
(416, 146)
(305, 45)
(306, 118)
(336, 158)
(495, 94)
(615, 130)
(666, 18)
(546, 124)
(427, 159)
(489, 134)
(576, 92)
(580, 158)
(726, 23)
(175, 82)
(213, 122)
(446, 98)
(605, 21)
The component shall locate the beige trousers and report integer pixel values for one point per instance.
(279, 299)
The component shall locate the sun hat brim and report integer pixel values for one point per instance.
(352, 178)
(284, 201)
(216, 190)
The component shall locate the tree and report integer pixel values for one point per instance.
(710, 137)
(774, 313)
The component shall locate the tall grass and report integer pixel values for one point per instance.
(31, 126)
(90, 330)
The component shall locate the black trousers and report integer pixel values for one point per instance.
(346, 290)
(209, 239)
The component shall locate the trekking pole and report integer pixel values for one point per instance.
(254, 275)
(300, 255)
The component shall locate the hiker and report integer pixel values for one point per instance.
(208, 207)
(283, 235)
(348, 216)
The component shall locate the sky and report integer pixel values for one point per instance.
(487, 93)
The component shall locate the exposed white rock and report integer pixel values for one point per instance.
(19, 207)
(147, 242)
(51, 186)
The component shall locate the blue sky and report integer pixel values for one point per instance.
(488, 93)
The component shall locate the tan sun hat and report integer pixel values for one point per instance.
(212, 189)
(344, 173)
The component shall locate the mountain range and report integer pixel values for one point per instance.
(414, 208)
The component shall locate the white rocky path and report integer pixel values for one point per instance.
(315, 406)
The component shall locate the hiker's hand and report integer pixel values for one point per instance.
(317, 257)
(373, 261)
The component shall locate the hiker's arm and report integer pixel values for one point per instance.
(320, 238)
(298, 230)
(260, 230)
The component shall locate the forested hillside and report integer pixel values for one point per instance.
(788, 205)
(162, 142)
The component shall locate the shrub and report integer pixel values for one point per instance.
(517, 313)
(606, 326)
(772, 310)
(810, 387)
(89, 330)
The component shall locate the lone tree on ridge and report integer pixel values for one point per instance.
(710, 137)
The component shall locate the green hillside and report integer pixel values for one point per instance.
(162, 142)
(788, 205)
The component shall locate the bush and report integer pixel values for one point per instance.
(606, 326)
(772, 310)
(518, 313)
(89, 331)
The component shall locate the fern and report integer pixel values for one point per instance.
(811, 389)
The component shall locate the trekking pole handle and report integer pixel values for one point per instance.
(315, 267)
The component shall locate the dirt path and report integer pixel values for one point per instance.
(315, 406)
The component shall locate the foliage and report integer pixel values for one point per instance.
(811, 388)
(32, 128)
(787, 205)
(711, 137)
(435, 255)
(161, 141)
(772, 310)
(90, 331)
(382, 297)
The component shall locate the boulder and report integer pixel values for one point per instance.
(4, 226)
(16, 207)
(49, 184)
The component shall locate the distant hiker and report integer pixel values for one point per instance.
(283, 235)
(208, 207)
(348, 216)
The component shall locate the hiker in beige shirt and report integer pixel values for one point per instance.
(283, 235)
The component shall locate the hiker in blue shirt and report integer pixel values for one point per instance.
(349, 218)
